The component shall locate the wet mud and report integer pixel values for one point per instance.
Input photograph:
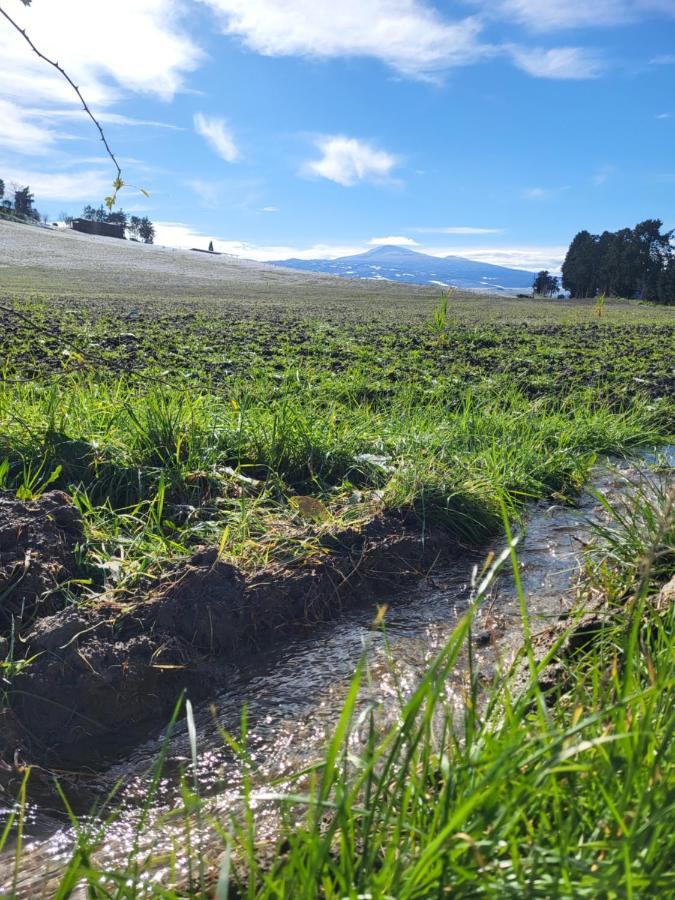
(101, 672)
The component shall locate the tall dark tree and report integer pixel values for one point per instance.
(665, 288)
(146, 230)
(23, 202)
(652, 251)
(579, 268)
(2, 188)
(545, 284)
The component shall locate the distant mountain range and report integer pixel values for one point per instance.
(410, 267)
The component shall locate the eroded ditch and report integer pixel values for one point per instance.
(294, 692)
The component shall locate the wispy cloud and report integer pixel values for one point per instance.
(603, 174)
(543, 193)
(664, 115)
(106, 118)
(270, 209)
(348, 161)
(566, 63)
(456, 229)
(82, 184)
(531, 257)
(394, 240)
(558, 15)
(663, 59)
(536, 193)
(410, 36)
(218, 135)
(23, 133)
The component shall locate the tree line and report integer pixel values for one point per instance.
(137, 228)
(632, 262)
(21, 204)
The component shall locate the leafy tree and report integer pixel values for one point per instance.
(665, 289)
(23, 202)
(545, 284)
(652, 251)
(119, 217)
(146, 230)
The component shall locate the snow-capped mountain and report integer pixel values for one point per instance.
(410, 267)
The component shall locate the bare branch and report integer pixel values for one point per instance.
(117, 184)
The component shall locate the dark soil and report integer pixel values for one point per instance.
(38, 542)
(103, 673)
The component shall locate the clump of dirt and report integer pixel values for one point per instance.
(37, 555)
(102, 674)
(38, 541)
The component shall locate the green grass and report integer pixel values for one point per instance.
(530, 790)
(157, 470)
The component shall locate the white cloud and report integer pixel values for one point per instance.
(105, 118)
(395, 240)
(407, 35)
(134, 44)
(216, 133)
(663, 116)
(536, 193)
(457, 229)
(349, 160)
(84, 184)
(270, 209)
(603, 174)
(567, 63)
(530, 257)
(21, 133)
(556, 15)
(209, 192)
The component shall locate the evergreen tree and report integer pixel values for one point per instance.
(23, 202)
(2, 188)
(665, 288)
(146, 230)
(579, 269)
(210, 246)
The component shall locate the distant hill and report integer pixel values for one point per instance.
(408, 266)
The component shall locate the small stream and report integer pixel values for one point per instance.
(294, 693)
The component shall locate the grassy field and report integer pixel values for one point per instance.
(225, 421)
(258, 412)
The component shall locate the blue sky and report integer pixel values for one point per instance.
(494, 129)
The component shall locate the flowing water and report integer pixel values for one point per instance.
(294, 694)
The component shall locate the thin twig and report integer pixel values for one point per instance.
(70, 81)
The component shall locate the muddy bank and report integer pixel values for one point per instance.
(102, 671)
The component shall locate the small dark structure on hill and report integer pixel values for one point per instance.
(107, 229)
